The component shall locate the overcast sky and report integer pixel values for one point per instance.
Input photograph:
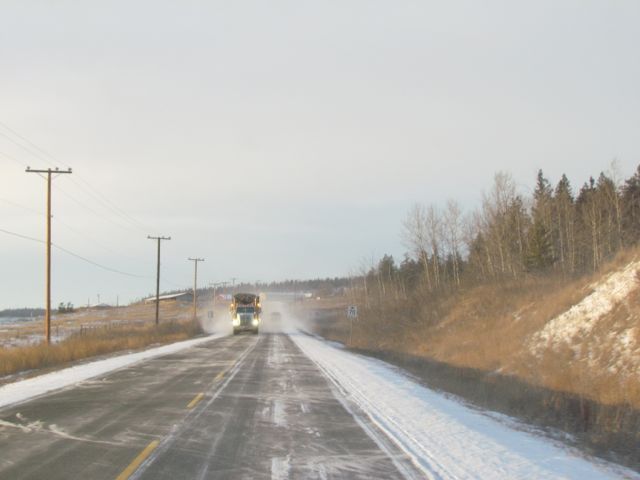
(287, 139)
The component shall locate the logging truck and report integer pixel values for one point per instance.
(245, 313)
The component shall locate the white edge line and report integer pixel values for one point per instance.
(30, 388)
(419, 463)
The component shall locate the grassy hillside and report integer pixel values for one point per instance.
(522, 329)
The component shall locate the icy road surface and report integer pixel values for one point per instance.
(446, 439)
(244, 407)
(259, 407)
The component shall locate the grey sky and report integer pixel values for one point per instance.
(288, 139)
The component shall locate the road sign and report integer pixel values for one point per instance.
(352, 311)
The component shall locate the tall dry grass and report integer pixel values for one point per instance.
(94, 342)
(488, 327)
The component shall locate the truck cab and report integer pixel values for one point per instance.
(245, 313)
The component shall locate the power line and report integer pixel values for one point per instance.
(48, 160)
(40, 153)
(67, 194)
(74, 230)
(23, 207)
(99, 265)
(45, 156)
(93, 211)
(87, 237)
(112, 206)
(6, 155)
(19, 235)
(73, 254)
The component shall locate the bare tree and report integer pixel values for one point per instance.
(434, 237)
(503, 228)
(453, 228)
(416, 238)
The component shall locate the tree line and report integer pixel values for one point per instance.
(553, 230)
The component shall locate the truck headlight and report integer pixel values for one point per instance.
(255, 322)
(236, 322)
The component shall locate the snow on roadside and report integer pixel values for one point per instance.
(25, 389)
(577, 322)
(445, 439)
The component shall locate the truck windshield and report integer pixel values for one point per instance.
(245, 310)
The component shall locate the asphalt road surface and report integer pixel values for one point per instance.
(236, 407)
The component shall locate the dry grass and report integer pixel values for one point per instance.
(488, 328)
(92, 343)
(64, 325)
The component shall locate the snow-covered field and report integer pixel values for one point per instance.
(446, 439)
(25, 389)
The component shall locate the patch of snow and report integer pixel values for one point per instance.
(280, 468)
(624, 355)
(25, 389)
(278, 413)
(627, 341)
(579, 320)
(444, 438)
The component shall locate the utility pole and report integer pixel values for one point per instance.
(233, 285)
(47, 314)
(215, 287)
(159, 239)
(195, 285)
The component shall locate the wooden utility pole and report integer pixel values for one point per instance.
(158, 276)
(195, 285)
(47, 314)
(215, 287)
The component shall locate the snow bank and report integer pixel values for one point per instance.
(576, 323)
(32, 387)
(445, 439)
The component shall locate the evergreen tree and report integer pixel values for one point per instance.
(609, 213)
(542, 212)
(631, 209)
(588, 226)
(410, 272)
(539, 254)
(479, 258)
(564, 224)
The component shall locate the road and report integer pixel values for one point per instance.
(236, 407)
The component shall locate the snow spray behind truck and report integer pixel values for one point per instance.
(245, 313)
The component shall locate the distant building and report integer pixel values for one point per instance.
(183, 297)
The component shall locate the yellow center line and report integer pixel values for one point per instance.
(195, 401)
(220, 375)
(133, 466)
